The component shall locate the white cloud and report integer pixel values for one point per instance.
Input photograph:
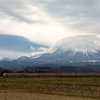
(81, 43)
(15, 54)
(35, 23)
(44, 29)
(42, 48)
(12, 54)
(48, 21)
(33, 48)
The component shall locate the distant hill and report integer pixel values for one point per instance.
(59, 69)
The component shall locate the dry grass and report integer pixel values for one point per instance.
(84, 87)
(8, 95)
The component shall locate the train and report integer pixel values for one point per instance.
(51, 75)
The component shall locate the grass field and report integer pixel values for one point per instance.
(86, 88)
(8, 95)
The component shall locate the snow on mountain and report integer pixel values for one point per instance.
(76, 48)
(73, 49)
(35, 56)
(7, 59)
(81, 43)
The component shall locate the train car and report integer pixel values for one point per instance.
(51, 75)
(13, 74)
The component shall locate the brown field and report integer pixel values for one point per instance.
(36, 96)
(46, 88)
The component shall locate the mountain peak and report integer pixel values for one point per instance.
(81, 43)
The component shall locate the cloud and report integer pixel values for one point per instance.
(80, 43)
(15, 46)
(47, 21)
(44, 32)
(18, 44)
(12, 54)
(42, 48)
(14, 9)
(33, 48)
(44, 28)
(43, 17)
(16, 54)
(78, 15)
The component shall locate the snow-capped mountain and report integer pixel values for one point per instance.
(81, 43)
(77, 50)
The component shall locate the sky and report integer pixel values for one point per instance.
(30, 27)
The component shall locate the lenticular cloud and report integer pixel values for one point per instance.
(81, 43)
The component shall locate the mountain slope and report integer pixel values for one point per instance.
(77, 50)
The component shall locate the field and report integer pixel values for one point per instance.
(44, 88)
(37, 96)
